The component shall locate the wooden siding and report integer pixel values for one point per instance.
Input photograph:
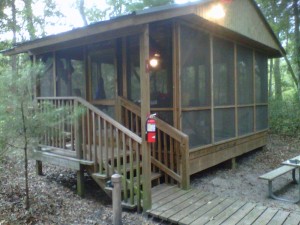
(213, 155)
(242, 17)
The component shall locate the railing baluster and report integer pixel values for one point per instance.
(131, 188)
(106, 149)
(94, 142)
(171, 156)
(165, 153)
(100, 145)
(83, 119)
(118, 151)
(124, 167)
(138, 177)
(112, 148)
(89, 147)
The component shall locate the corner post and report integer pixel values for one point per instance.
(145, 109)
(185, 160)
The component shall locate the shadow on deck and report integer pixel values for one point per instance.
(196, 207)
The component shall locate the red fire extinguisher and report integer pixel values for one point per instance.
(151, 128)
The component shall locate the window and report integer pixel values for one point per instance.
(46, 81)
(261, 78)
(195, 72)
(245, 75)
(223, 69)
(195, 86)
(224, 124)
(223, 62)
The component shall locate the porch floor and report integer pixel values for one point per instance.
(177, 206)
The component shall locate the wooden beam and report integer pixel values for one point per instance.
(145, 109)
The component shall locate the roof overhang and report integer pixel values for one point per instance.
(133, 24)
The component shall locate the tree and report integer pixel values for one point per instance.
(21, 120)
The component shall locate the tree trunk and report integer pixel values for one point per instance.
(29, 19)
(82, 13)
(297, 42)
(277, 79)
(270, 79)
(27, 204)
(14, 30)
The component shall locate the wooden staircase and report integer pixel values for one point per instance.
(94, 142)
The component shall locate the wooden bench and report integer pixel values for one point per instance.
(270, 176)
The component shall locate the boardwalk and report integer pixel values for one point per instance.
(195, 207)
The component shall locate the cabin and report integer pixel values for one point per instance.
(201, 67)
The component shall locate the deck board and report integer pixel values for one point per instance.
(197, 207)
(214, 212)
(228, 212)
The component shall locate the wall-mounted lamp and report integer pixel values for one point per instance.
(216, 12)
(154, 61)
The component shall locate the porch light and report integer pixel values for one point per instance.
(154, 61)
(216, 12)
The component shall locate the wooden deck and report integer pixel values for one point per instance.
(196, 207)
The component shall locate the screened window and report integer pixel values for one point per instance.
(195, 72)
(103, 75)
(70, 76)
(245, 75)
(46, 81)
(197, 124)
(223, 64)
(161, 79)
(133, 69)
(261, 78)
(195, 80)
(224, 124)
(245, 118)
(261, 117)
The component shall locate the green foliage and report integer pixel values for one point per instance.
(284, 117)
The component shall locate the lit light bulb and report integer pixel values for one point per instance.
(217, 12)
(153, 62)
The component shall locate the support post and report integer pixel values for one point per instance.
(80, 182)
(233, 163)
(39, 167)
(145, 109)
(116, 197)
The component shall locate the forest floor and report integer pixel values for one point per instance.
(54, 201)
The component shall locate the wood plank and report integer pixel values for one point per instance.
(253, 215)
(179, 207)
(167, 199)
(292, 219)
(194, 205)
(201, 211)
(266, 216)
(214, 212)
(240, 214)
(279, 218)
(227, 213)
(160, 191)
(175, 201)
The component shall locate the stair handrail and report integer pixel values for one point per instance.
(184, 177)
(88, 105)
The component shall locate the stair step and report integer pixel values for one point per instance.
(99, 176)
(128, 206)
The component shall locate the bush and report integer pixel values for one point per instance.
(284, 117)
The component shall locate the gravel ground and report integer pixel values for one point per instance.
(54, 201)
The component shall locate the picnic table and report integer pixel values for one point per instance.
(294, 162)
(290, 165)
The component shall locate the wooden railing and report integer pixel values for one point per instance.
(95, 136)
(170, 154)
